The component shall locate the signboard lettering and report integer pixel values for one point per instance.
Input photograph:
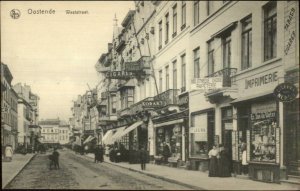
(205, 84)
(119, 74)
(262, 80)
(286, 92)
(153, 104)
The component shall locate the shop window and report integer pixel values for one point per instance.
(263, 132)
(270, 30)
(171, 135)
(198, 131)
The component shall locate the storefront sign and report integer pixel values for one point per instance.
(263, 115)
(200, 133)
(153, 104)
(261, 80)
(205, 84)
(228, 126)
(286, 92)
(119, 75)
(263, 110)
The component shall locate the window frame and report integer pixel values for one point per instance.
(247, 33)
(226, 49)
(210, 58)
(196, 62)
(267, 9)
(196, 11)
(167, 77)
(174, 8)
(160, 35)
(174, 74)
(167, 18)
(183, 15)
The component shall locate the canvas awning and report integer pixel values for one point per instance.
(116, 136)
(90, 138)
(107, 137)
(128, 129)
(176, 121)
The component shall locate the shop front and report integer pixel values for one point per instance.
(258, 125)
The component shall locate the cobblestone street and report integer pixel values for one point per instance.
(78, 172)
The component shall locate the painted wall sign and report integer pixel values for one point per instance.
(119, 75)
(286, 92)
(261, 80)
(205, 84)
(290, 42)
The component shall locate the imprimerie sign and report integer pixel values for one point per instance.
(153, 104)
(119, 74)
(261, 80)
(286, 92)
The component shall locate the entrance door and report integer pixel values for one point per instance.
(228, 144)
(292, 138)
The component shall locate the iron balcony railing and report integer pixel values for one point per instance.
(170, 97)
(226, 75)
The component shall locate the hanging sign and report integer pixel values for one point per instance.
(286, 92)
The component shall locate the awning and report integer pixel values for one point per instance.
(107, 137)
(128, 129)
(169, 123)
(90, 138)
(252, 97)
(116, 136)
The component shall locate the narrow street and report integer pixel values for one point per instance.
(80, 172)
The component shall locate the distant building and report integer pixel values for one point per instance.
(9, 102)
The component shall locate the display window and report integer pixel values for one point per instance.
(198, 135)
(264, 130)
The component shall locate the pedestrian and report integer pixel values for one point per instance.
(224, 162)
(8, 153)
(244, 161)
(213, 162)
(51, 163)
(101, 152)
(96, 152)
(166, 152)
(56, 158)
(143, 158)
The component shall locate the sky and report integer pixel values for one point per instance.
(56, 54)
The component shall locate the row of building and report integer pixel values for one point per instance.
(193, 74)
(19, 112)
(20, 125)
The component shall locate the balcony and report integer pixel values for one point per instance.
(227, 89)
(226, 75)
(138, 107)
(170, 97)
(139, 65)
(121, 44)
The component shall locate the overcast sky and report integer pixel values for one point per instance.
(56, 53)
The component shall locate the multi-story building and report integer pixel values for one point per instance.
(9, 110)
(28, 112)
(193, 74)
(64, 134)
(50, 131)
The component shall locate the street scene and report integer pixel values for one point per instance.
(150, 95)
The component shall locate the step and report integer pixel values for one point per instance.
(294, 173)
(291, 181)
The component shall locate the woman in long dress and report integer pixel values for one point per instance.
(213, 162)
(224, 163)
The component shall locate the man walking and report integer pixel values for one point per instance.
(55, 158)
(143, 158)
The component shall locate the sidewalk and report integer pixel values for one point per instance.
(11, 169)
(200, 180)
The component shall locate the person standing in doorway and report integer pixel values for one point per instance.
(166, 152)
(143, 158)
(224, 162)
(213, 162)
(244, 161)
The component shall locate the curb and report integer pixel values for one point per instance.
(17, 173)
(155, 176)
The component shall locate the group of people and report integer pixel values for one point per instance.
(220, 163)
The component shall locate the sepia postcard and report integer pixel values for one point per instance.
(150, 95)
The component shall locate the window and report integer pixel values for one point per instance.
(113, 103)
(210, 56)
(127, 98)
(160, 81)
(175, 74)
(197, 63)
(174, 20)
(196, 13)
(183, 15)
(167, 28)
(160, 35)
(246, 43)
(167, 77)
(270, 21)
(209, 7)
(226, 51)
(199, 141)
(183, 72)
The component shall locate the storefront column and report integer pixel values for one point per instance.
(281, 133)
(218, 123)
(183, 142)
